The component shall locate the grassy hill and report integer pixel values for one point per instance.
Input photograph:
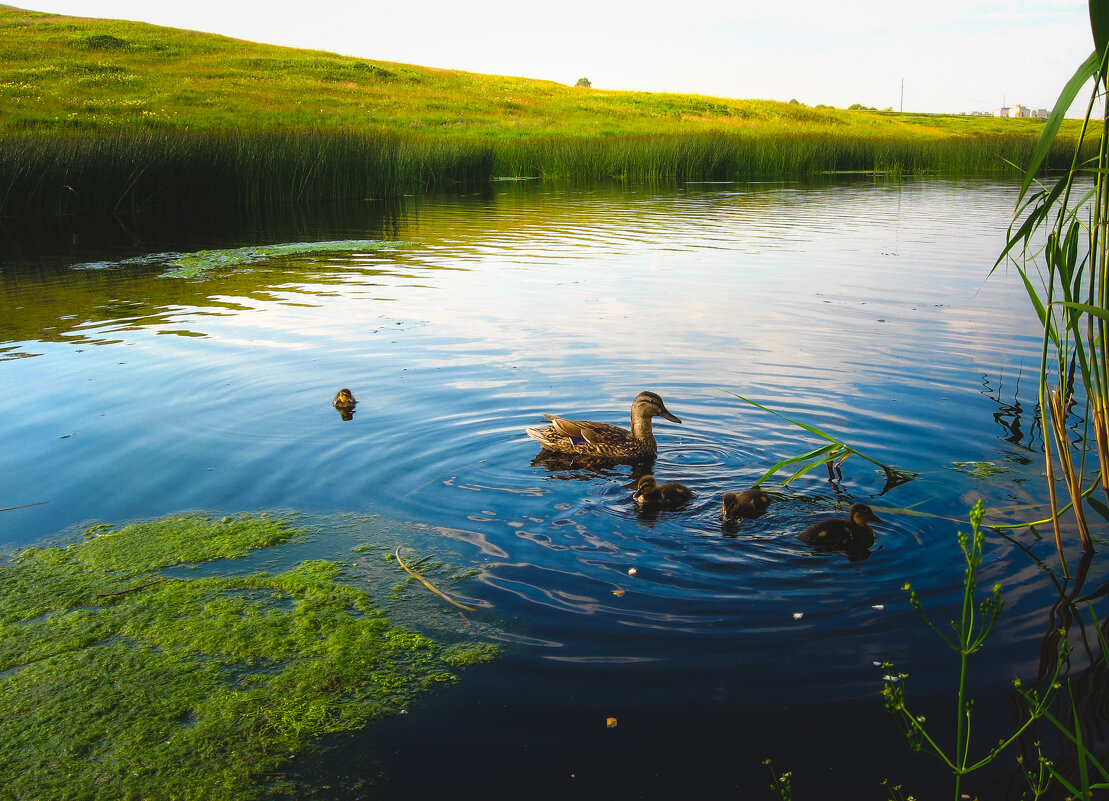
(85, 99)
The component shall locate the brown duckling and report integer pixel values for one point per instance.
(605, 440)
(854, 532)
(649, 494)
(749, 503)
(344, 401)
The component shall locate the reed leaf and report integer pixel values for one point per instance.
(825, 454)
(821, 451)
(1086, 70)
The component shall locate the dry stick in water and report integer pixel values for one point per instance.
(24, 506)
(428, 584)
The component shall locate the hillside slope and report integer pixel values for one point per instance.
(61, 73)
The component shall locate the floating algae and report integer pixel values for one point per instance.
(120, 681)
(191, 265)
(198, 264)
(980, 470)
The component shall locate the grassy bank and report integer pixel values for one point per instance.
(113, 114)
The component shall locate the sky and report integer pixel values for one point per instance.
(942, 56)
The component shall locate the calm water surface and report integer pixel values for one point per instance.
(863, 309)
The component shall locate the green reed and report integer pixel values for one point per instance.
(125, 170)
(832, 455)
(777, 154)
(131, 171)
(1060, 232)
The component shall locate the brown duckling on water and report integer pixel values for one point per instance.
(749, 503)
(834, 532)
(605, 440)
(344, 401)
(649, 494)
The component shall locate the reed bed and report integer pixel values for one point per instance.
(737, 158)
(129, 171)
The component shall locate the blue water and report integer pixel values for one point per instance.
(863, 309)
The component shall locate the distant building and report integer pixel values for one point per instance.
(1020, 111)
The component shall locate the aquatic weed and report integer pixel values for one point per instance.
(119, 681)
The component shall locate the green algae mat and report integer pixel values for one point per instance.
(119, 680)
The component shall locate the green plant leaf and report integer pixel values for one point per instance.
(1086, 70)
(1096, 311)
(821, 451)
(1099, 25)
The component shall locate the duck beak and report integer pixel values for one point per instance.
(671, 417)
(875, 519)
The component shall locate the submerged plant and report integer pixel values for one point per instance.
(118, 680)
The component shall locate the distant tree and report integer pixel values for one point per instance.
(859, 107)
(584, 82)
(795, 102)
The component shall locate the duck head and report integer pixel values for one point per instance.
(649, 404)
(863, 515)
(644, 487)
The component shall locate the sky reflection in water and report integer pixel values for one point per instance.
(862, 309)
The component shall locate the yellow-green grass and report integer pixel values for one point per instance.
(116, 114)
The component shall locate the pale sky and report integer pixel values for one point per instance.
(953, 55)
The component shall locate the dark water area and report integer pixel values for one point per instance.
(861, 308)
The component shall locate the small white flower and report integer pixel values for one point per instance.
(798, 615)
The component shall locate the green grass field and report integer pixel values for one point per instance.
(115, 114)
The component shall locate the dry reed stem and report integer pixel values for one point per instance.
(1073, 481)
(428, 584)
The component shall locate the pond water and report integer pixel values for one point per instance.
(862, 308)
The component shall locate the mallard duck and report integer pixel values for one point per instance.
(854, 532)
(604, 439)
(344, 399)
(649, 494)
(749, 503)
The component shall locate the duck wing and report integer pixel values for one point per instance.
(586, 437)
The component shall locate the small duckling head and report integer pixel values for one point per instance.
(344, 399)
(749, 503)
(645, 487)
(862, 515)
(649, 404)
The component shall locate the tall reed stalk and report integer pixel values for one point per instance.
(1070, 216)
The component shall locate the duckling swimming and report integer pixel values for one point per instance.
(344, 401)
(854, 532)
(749, 503)
(649, 494)
(604, 439)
